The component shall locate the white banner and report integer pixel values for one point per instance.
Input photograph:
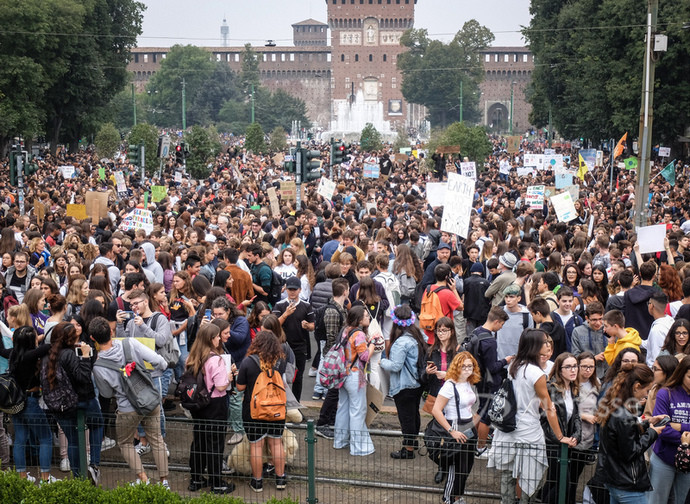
(178, 177)
(535, 197)
(524, 171)
(436, 193)
(469, 169)
(68, 171)
(564, 206)
(534, 160)
(651, 238)
(326, 188)
(664, 151)
(458, 205)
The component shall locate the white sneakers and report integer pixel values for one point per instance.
(64, 465)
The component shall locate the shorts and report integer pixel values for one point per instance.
(258, 429)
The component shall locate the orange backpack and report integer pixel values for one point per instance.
(431, 308)
(269, 400)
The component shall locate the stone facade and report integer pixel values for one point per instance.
(355, 80)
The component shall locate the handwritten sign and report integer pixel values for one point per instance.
(273, 199)
(458, 205)
(178, 177)
(564, 206)
(469, 169)
(512, 144)
(534, 160)
(326, 188)
(97, 205)
(448, 149)
(120, 182)
(76, 211)
(138, 219)
(158, 193)
(371, 170)
(68, 171)
(288, 190)
(535, 197)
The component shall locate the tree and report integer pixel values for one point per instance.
(592, 79)
(148, 135)
(432, 71)
(221, 86)
(190, 65)
(401, 141)
(250, 69)
(204, 145)
(234, 116)
(107, 141)
(473, 141)
(255, 138)
(370, 139)
(277, 140)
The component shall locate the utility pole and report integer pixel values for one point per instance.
(298, 175)
(550, 132)
(143, 163)
(184, 105)
(252, 103)
(511, 107)
(134, 106)
(20, 179)
(646, 116)
(461, 101)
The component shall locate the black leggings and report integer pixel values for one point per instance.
(407, 404)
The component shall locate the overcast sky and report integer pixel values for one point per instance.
(197, 22)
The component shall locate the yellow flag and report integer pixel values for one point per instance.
(583, 169)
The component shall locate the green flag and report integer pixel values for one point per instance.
(631, 163)
(101, 173)
(669, 173)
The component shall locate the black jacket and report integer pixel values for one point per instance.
(623, 443)
(569, 428)
(476, 305)
(79, 372)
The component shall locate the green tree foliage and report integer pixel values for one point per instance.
(255, 138)
(591, 77)
(204, 145)
(370, 139)
(148, 135)
(432, 71)
(250, 69)
(189, 63)
(277, 139)
(61, 62)
(107, 140)
(401, 141)
(221, 86)
(473, 141)
(270, 109)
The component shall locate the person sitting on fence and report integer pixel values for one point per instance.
(110, 384)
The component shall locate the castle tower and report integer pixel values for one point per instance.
(365, 42)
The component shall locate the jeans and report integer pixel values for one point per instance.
(166, 378)
(94, 421)
(179, 368)
(665, 478)
(157, 382)
(318, 388)
(619, 496)
(32, 421)
(350, 425)
(4, 446)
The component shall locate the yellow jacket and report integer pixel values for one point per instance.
(630, 340)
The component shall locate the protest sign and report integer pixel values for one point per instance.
(564, 206)
(469, 169)
(651, 238)
(273, 199)
(138, 219)
(524, 171)
(512, 144)
(158, 193)
(326, 188)
(563, 177)
(96, 205)
(664, 151)
(535, 197)
(534, 160)
(436, 193)
(76, 211)
(120, 182)
(551, 162)
(400, 158)
(574, 191)
(590, 157)
(101, 174)
(458, 205)
(288, 191)
(448, 149)
(178, 177)
(68, 171)
(371, 170)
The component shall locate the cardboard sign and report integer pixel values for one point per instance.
(564, 206)
(651, 238)
(96, 205)
(448, 149)
(288, 190)
(458, 205)
(436, 193)
(371, 170)
(138, 219)
(158, 193)
(326, 188)
(40, 211)
(535, 197)
(469, 169)
(278, 159)
(400, 158)
(273, 199)
(513, 144)
(549, 191)
(101, 174)
(76, 211)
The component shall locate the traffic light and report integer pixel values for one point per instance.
(13, 168)
(134, 155)
(179, 154)
(337, 149)
(29, 166)
(310, 164)
(185, 150)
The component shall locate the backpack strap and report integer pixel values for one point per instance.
(120, 303)
(525, 320)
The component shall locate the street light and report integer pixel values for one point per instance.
(511, 106)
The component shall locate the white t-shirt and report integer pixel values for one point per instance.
(526, 397)
(465, 394)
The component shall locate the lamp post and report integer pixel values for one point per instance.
(134, 106)
(511, 107)
(461, 101)
(184, 105)
(646, 116)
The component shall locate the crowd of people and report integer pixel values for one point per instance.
(593, 334)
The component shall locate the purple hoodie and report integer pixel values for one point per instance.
(676, 404)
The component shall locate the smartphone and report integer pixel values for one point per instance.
(129, 315)
(207, 314)
(663, 421)
(469, 433)
(430, 363)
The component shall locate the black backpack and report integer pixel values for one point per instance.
(192, 391)
(503, 408)
(276, 289)
(320, 324)
(471, 343)
(12, 397)
(62, 398)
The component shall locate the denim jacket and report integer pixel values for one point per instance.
(402, 364)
